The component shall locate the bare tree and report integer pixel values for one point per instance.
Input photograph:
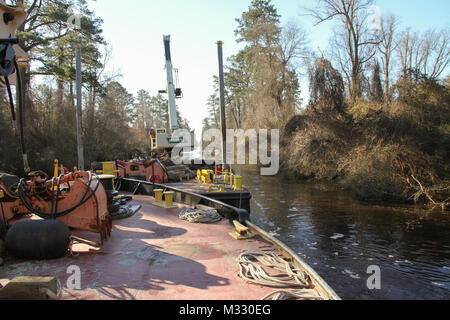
(424, 54)
(354, 38)
(387, 46)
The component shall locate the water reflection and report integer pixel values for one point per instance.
(341, 238)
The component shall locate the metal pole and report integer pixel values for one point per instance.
(80, 148)
(223, 123)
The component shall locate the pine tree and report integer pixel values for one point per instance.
(376, 87)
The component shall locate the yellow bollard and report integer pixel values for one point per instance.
(237, 183)
(158, 196)
(231, 180)
(241, 232)
(225, 178)
(169, 199)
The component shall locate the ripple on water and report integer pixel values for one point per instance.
(337, 236)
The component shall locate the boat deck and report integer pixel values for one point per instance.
(154, 255)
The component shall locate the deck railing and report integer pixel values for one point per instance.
(186, 197)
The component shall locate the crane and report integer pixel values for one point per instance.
(162, 138)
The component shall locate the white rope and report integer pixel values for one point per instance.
(200, 216)
(251, 269)
(294, 295)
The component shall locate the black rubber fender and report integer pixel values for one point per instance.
(38, 240)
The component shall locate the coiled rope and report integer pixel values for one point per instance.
(251, 269)
(294, 295)
(200, 216)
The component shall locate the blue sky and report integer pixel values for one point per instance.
(135, 30)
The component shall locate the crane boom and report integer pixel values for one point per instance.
(173, 119)
(163, 139)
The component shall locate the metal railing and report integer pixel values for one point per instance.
(186, 197)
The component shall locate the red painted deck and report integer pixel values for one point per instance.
(154, 255)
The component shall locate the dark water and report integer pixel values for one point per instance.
(411, 246)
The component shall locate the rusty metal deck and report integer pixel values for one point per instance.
(154, 255)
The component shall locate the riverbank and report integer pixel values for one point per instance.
(396, 152)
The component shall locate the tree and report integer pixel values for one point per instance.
(262, 87)
(144, 121)
(354, 42)
(46, 34)
(376, 88)
(115, 116)
(327, 86)
(424, 54)
(386, 47)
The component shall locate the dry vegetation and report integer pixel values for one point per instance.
(396, 151)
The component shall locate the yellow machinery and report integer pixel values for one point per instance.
(208, 177)
(108, 168)
(205, 176)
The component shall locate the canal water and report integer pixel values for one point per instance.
(341, 238)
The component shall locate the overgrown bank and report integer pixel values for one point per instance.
(397, 151)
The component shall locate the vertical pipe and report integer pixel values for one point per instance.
(80, 148)
(223, 123)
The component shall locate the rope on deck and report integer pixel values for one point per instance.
(251, 269)
(200, 216)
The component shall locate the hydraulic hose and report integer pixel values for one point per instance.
(55, 215)
(26, 166)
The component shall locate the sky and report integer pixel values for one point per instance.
(135, 29)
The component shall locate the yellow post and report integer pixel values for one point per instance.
(231, 180)
(55, 174)
(169, 199)
(158, 196)
(55, 169)
(225, 177)
(238, 183)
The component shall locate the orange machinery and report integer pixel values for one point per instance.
(77, 199)
(151, 171)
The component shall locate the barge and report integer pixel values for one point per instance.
(155, 255)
